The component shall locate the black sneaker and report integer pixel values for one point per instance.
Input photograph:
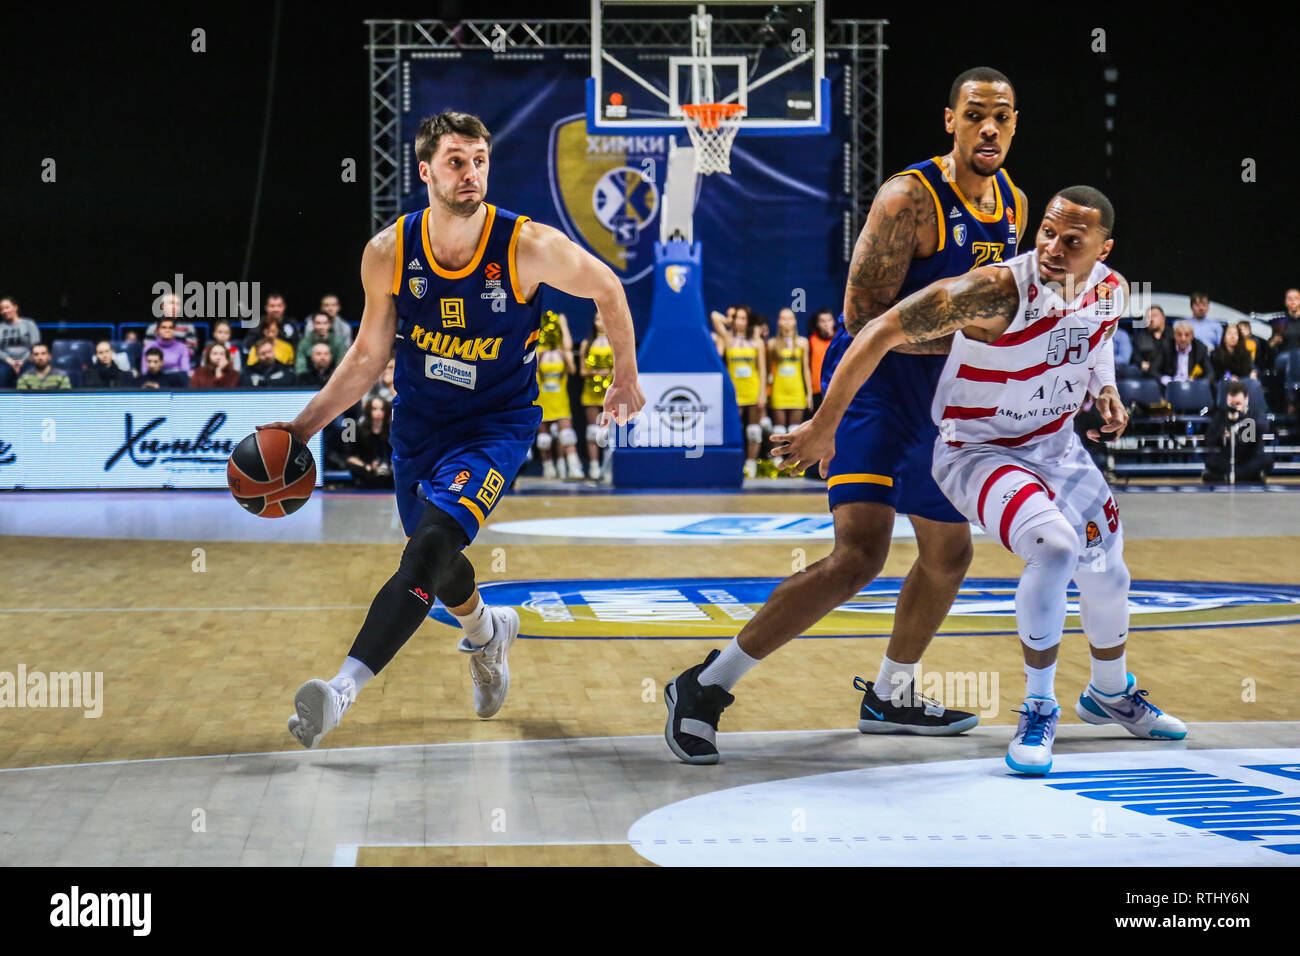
(693, 713)
(909, 713)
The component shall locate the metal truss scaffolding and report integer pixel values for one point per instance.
(862, 41)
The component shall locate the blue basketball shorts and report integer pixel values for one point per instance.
(884, 446)
(462, 468)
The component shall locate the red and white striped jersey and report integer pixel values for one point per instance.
(1028, 384)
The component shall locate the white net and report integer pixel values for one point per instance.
(712, 128)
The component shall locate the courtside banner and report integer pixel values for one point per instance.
(134, 439)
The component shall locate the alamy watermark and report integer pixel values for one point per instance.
(71, 689)
(233, 301)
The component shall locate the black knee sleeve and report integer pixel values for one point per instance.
(436, 543)
(456, 583)
(403, 602)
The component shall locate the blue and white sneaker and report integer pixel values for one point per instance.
(1031, 748)
(1131, 710)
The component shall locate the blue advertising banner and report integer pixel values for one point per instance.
(134, 440)
(773, 227)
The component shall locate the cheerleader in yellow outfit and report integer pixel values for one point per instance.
(596, 362)
(554, 366)
(746, 360)
(787, 357)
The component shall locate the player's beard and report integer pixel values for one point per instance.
(977, 168)
(459, 207)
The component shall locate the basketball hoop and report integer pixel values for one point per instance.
(712, 128)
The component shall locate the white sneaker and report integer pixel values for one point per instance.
(593, 470)
(1131, 710)
(488, 667)
(575, 465)
(548, 468)
(560, 471)
(320, 706)
(1031, 748)
(751, 468)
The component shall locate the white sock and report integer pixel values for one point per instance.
(892, 679)
(1110, 677)
(477, 623)
(728, 667)
(1041, 681)
(355, 671)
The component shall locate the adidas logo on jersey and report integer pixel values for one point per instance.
(955, 214)
(415, 264)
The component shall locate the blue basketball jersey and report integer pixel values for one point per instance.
(466, 338)
(967, 238)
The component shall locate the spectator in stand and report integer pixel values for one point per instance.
(1261, 356)
(1240, 426)
(385, 388)
(1183, 359)
(267, 371)
(17, 334)
(156, 375)
(1232, 359)
(42, 377)
(322, 333)
(105, 371)
(1123, 347)
(175, 353)
(288, 330)
(270, 332)
(216, 371)
(329, 304)
(1205, 329)
(1286, 324)
(370, 456)
(1148, 342)
(221, 333)
(819, 337)
(319, 368)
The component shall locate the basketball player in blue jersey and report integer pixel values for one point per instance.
(456, 286)
(942, 217)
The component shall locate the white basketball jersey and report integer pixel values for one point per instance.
(1028, 384)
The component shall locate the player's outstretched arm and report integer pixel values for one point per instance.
(985, 299)
(546, 255)
(365, 360)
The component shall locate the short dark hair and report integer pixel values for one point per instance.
(1158, 309)
(1198, 297)
(263, 341)
(432, 129)
(1237, 388)
(153, 350)
(978, 74)
(1093, 199)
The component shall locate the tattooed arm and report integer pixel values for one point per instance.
(902, 225)
(982, 303)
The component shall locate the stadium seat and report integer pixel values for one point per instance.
(1143, 391)
(71, 366)
(82, 349)
(134, 352)
(1190, 398)
(1127, 371)
(8, 377)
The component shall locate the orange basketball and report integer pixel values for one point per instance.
(271, 473)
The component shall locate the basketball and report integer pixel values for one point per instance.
(271, 473)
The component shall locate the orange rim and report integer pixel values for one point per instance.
(709, 115)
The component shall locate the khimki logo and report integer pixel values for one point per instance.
(82, 690)
(75, 909)
(211, 300)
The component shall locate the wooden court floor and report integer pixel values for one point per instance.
(199, 662)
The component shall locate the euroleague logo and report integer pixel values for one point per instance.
(492, 271)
